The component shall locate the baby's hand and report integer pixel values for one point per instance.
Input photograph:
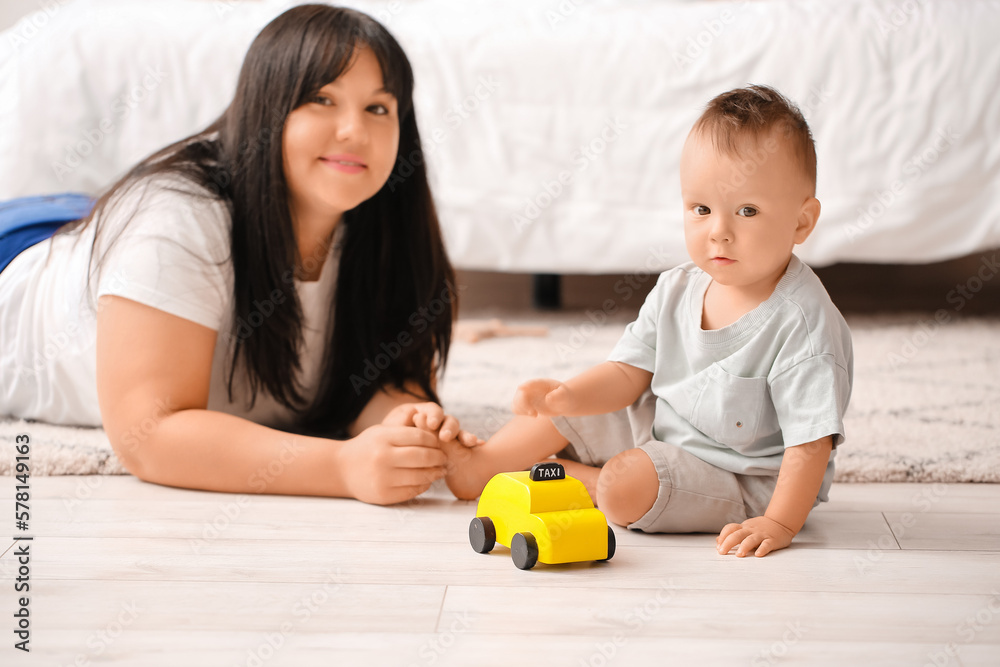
(543, 397)
(760, 533)
(431, 417)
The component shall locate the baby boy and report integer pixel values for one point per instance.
(720, 408)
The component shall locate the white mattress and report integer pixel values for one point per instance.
(904, 107)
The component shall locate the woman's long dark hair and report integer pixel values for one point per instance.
(395, 296)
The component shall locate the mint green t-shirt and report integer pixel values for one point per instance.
(738, 396)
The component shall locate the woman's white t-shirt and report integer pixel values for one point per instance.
(174, 255)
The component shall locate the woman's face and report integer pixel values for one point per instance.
(340, 146)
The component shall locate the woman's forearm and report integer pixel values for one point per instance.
(215, 451)
(381, 404)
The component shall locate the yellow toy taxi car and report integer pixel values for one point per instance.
(542, 515)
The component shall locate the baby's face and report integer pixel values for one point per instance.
(744, 214)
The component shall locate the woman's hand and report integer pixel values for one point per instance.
(391, 464)
(430, 417)
(543, 397)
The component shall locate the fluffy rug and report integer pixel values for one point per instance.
(925, 407)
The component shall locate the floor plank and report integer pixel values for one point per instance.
(274, 560)
(913, 498)
(951, 531)
(334, 519)
(320, 606)
(672, 612)
(193, 648)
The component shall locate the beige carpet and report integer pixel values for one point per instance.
(926, 403)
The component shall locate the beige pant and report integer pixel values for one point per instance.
(694, 496)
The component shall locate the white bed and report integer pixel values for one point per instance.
(903, 99)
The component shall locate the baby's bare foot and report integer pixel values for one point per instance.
(463, 476)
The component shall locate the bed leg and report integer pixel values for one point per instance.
(547, 291)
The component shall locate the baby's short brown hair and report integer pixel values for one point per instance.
(738, 117)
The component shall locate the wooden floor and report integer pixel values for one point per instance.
(124, 572)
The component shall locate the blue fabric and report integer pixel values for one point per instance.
(26, 221)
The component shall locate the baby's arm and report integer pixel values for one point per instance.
(606, 387)
(799, 480)
(529, 438)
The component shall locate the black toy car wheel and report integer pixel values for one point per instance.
(611, 544)
(524, 550)
(482, 535)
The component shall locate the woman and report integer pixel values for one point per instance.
(281, 268)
